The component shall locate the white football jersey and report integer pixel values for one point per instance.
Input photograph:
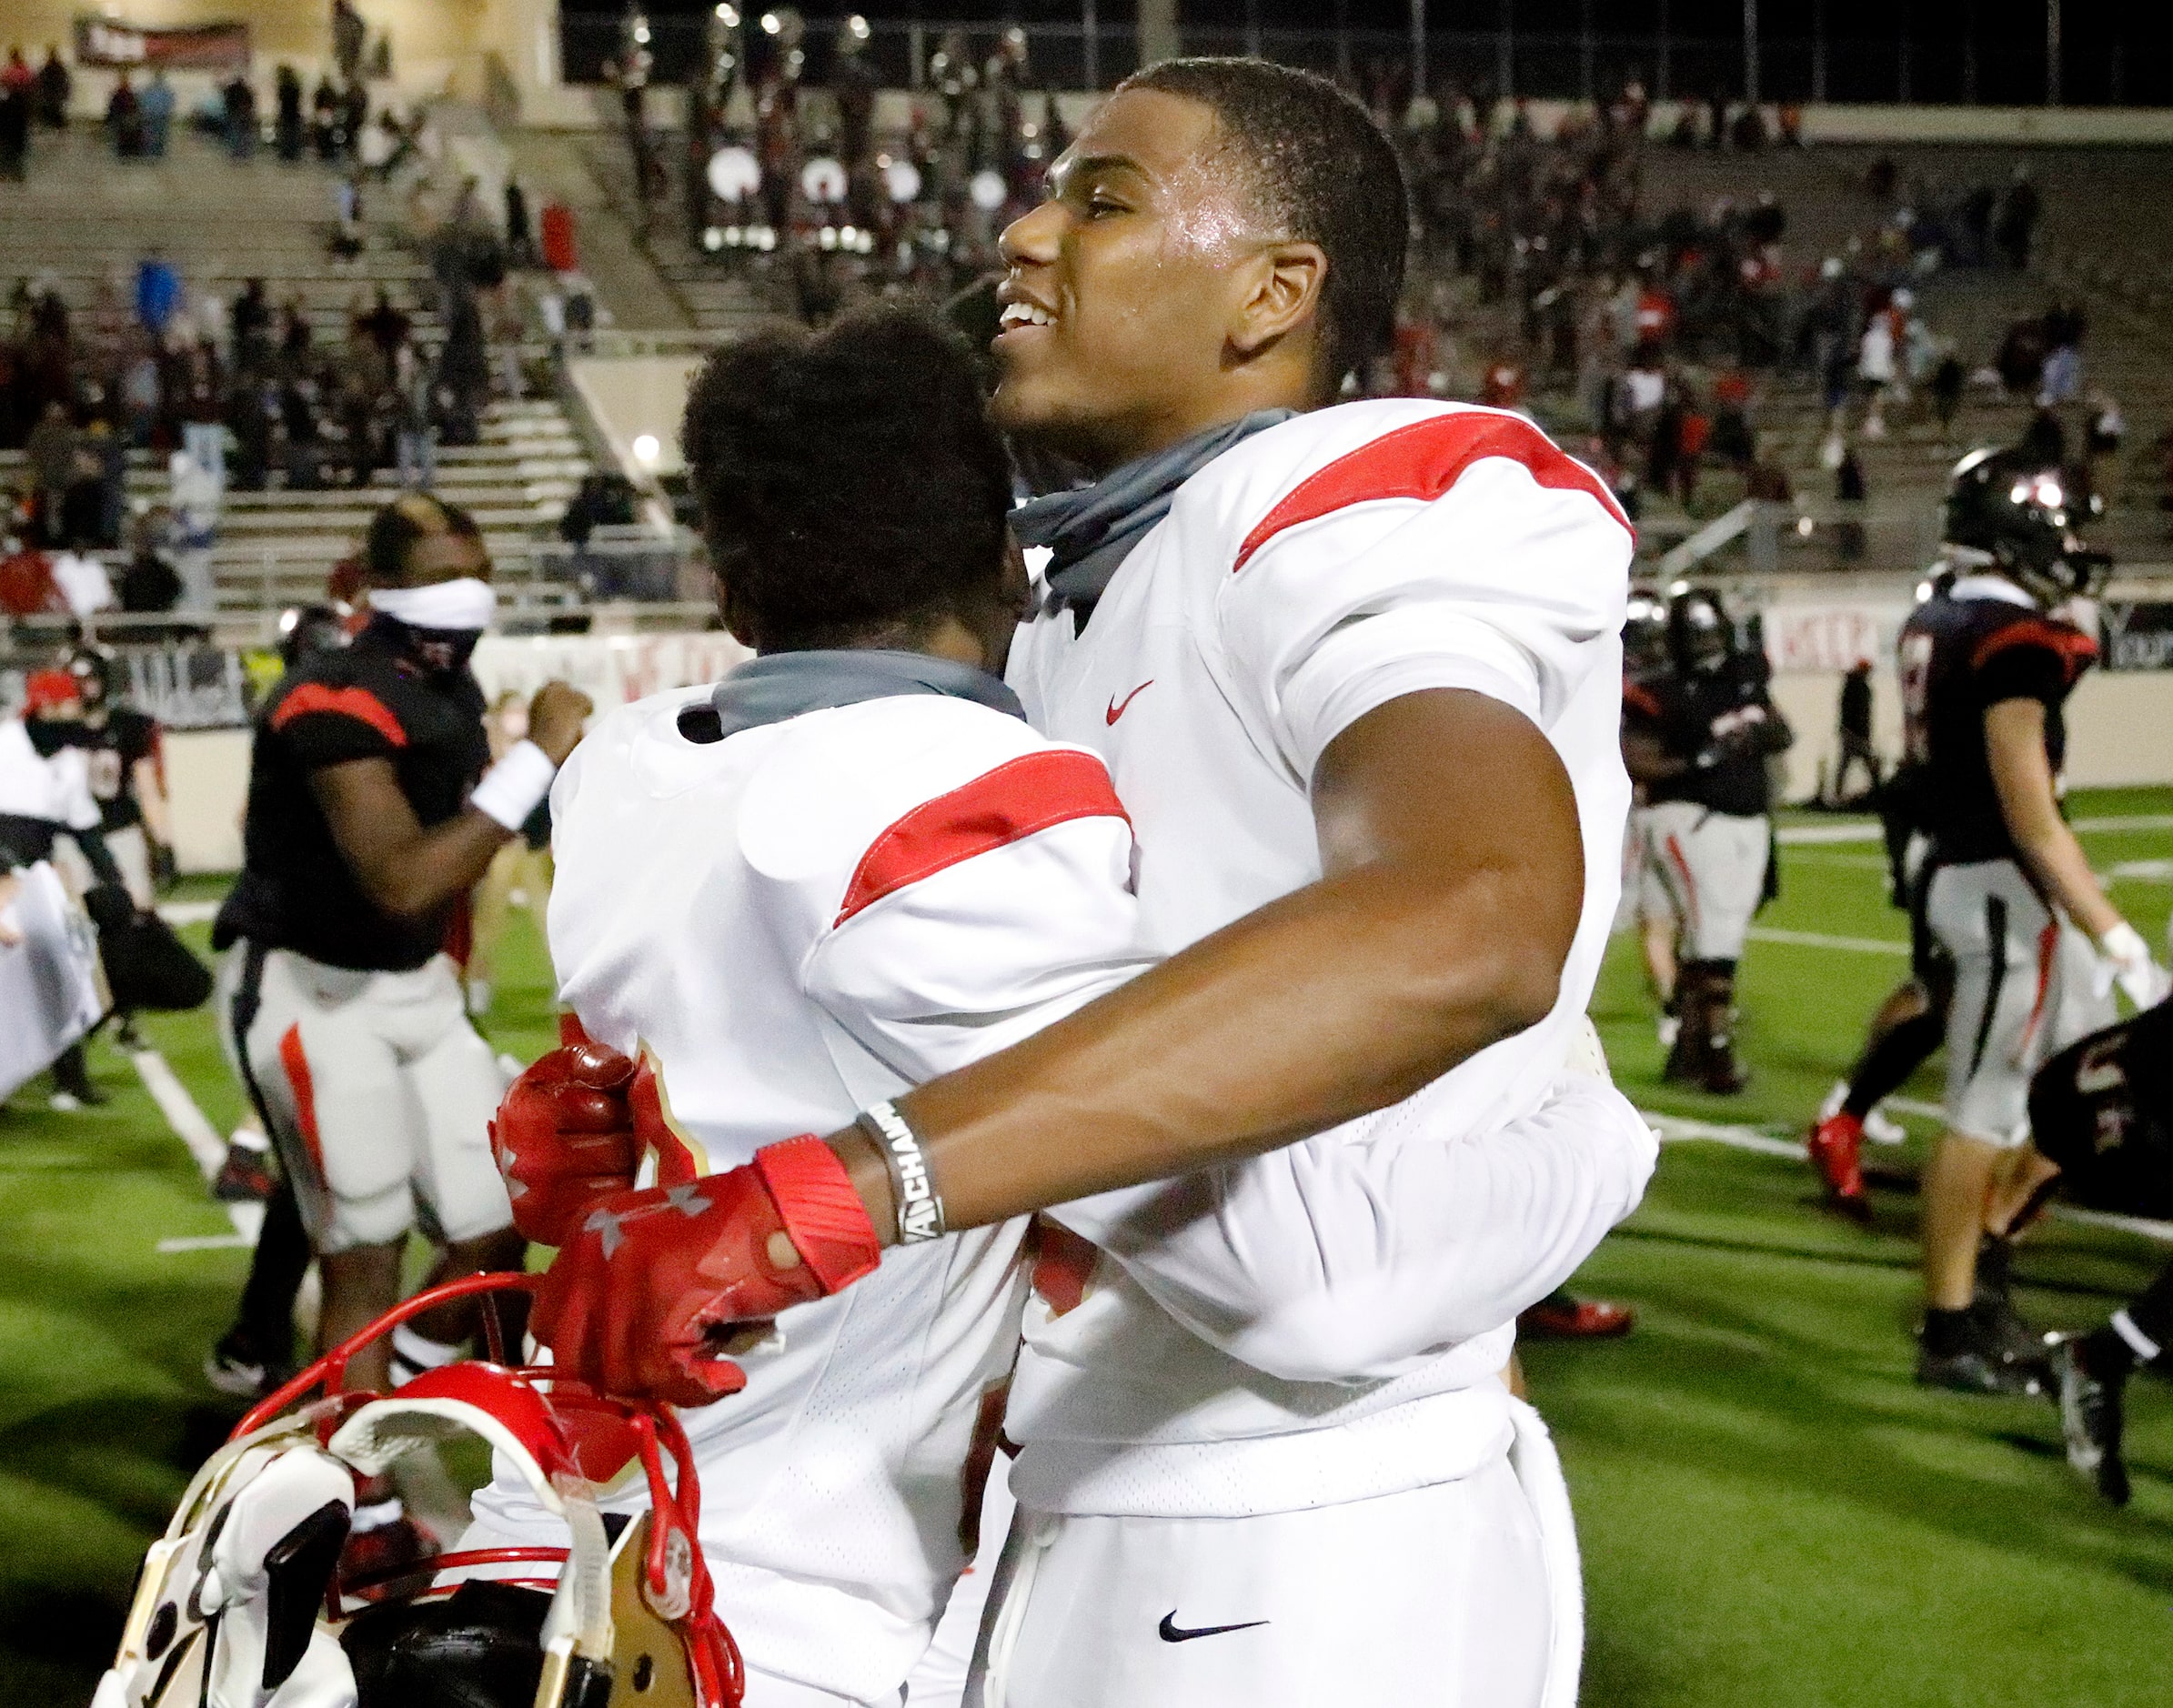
(1327, 1323)
(799, 920)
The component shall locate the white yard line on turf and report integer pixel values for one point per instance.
(193, 1129)
(189, 912)
(1678, 1128)
(1870, 831)
(1820, 939)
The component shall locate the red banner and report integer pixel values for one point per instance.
(188, 47)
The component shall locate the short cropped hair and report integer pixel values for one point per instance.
(849, 479)
(395, 529)
(1318, 166)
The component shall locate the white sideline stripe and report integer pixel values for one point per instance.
(205, 1242)
(193, 1129)
(189, 912)
(1675, 1129)
(1820, 939)
(1870, 831)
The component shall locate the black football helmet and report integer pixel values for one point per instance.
(1644, 633)
(95, 670)
(1700, 637)
(2012, 506)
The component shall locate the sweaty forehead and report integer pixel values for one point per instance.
(1172, 142)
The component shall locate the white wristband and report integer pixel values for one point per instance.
(514, 786)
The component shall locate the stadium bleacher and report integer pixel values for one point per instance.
(82, 218)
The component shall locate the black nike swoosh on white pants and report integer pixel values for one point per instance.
(1171, 1632)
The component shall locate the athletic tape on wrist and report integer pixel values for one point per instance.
(912, 1187)
(514, 786)
(822, 1213)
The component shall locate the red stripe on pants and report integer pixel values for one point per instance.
(298, 1076)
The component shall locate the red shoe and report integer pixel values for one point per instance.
(1836, 1148)
(244, 1178)
(385, 1559)
(1565, 1319)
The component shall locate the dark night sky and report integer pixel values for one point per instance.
(2111, 49)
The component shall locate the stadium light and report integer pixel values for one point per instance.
(646, 449)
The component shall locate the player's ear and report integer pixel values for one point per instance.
(1282, 287)
(738, 622)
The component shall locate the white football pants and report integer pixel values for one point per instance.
(1713, 868)
(1460, 1594)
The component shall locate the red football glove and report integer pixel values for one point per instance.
(642, 1288)
(565, 1134)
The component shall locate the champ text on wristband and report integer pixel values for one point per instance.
(912, 1187)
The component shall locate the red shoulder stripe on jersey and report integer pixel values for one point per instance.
(305, 1093)
(1013, 802)
(2074, 649)
(304, 698)
(1422, 461)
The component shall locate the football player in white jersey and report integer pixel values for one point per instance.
(848, 869)
(1361, 666)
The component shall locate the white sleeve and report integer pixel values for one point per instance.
(1471, 554)
(966, 959)
(1359, 1254)
(78, 807)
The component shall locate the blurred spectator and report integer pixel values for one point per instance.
(2017, 220)
(26, 583)
(1849, 492)
(1947, 382)
(16, 97)
(2062, 374)
(157, 293)
(54, 87)
(51, 455)
(347, 36)
(1855, 730)
(2045, 440)
(148, 582)
(250, 418)
(288, 127)
(520, 236)
(125, 120)
(239, 100)
(98, 496)
(199, 405)
(252, 322)
(157, 108)
(415, 432)
(1875, 370)
(326, 133)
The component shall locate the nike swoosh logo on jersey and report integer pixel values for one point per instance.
(1117, 711)
(1171, 1632)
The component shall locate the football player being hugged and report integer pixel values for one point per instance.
(370, 817)
(1356, 672)
(1697, 741)
(2035, 945)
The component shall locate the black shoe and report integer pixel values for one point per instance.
(244, 1178)
(2091, 1420)
(2007, 1335)
(1977, 1363)
(235, 1366)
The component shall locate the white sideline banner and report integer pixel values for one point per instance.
(48, 981)
(611, 670)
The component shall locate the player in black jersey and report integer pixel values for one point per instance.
(370, 818)
(1696, 740)
(1984, 674)
(1647, 900)
(2102, 1110)
(127, 775)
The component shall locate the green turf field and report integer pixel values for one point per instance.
(1772, 1513)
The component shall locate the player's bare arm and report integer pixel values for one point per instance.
(1453, 878)
(411, 872)
(2015, 743)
